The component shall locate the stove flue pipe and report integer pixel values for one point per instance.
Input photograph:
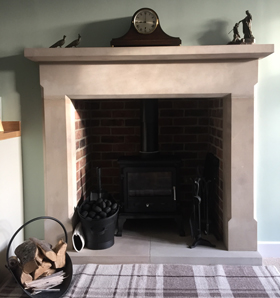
(149, 128)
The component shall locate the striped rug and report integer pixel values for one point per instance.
(157, 280)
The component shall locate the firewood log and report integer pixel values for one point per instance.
(27, 252)
(13, 262)
(60, 250)
(46, 248)
(44, 267)
(36, 258)
(48, 272)
(17, 270)
(39, 257)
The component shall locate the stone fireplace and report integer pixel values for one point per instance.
(228, 73)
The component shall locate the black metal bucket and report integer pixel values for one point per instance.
(99, 233)
(68, 268)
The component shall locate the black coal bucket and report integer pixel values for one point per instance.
(68, 268)
(98, 216)
(99, 233)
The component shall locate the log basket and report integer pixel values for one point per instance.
(68, 268)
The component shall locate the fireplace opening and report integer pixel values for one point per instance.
(110, 130)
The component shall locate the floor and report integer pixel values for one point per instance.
(157, 241)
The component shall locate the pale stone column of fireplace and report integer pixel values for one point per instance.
(228, 72)
(60, 164)
(240, 227)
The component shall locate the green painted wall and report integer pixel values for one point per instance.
(39, 23)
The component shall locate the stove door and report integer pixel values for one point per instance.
(149, 189)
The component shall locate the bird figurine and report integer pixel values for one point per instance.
(74, 43)
(59, 43)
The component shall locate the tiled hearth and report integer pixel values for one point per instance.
(157, 241)
(228, 73)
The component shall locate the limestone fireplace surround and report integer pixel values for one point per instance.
(229, 72)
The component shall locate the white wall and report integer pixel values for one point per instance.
(11, 199)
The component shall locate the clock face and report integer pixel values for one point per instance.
(145, 21)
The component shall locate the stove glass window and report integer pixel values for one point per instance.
(150, 184)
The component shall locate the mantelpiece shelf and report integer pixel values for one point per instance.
(12, 129)
(137, 54)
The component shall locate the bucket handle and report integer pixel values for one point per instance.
(28, 222)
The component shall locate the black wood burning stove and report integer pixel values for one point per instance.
(149, 181)
(150, 189)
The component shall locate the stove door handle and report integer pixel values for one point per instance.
(174, 193)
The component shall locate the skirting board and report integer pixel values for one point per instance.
(269, 249)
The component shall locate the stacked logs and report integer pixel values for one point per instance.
(36, 258)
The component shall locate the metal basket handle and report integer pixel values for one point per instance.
(28, 222)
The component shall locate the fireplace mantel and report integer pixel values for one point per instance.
(155, 54)
(229, 72)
